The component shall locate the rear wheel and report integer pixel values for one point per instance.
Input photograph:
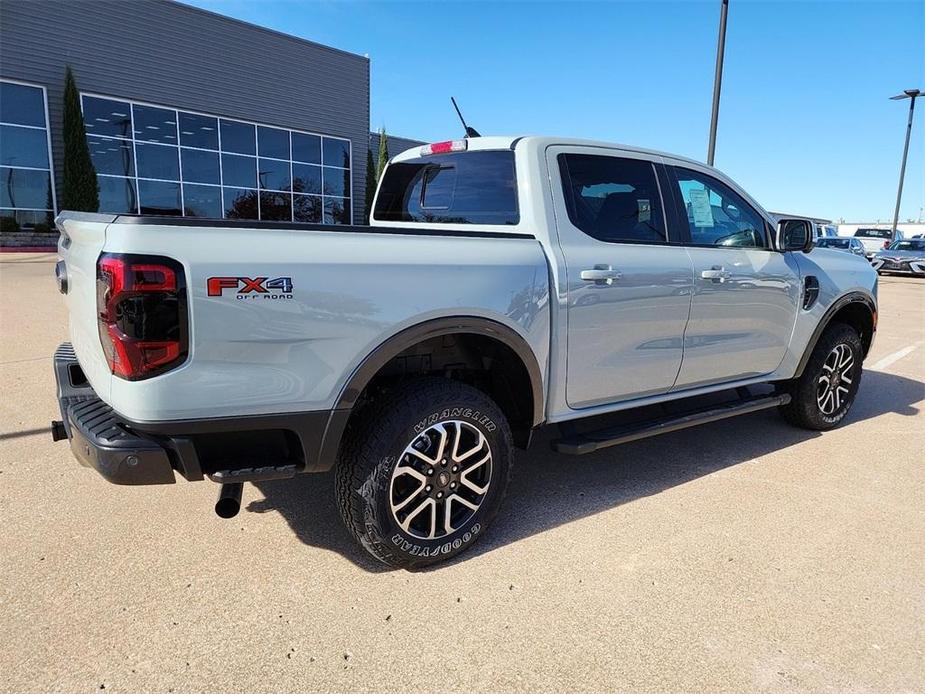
(822, 396)
(423, 472)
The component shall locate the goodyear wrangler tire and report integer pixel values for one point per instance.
(823, 394)
(424, 471)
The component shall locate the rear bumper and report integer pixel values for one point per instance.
(98, 438)
(238, 449)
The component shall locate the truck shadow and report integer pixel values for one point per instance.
(550, 489)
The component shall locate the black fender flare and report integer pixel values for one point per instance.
(398, 343)
(837, 305)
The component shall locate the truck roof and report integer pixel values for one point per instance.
(536, 145)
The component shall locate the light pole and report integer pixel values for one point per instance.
(910, 94)
(718, 79)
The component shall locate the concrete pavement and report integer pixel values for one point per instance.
(740, 556)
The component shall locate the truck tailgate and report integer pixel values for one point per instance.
(80, 245)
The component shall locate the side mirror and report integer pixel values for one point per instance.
(795, 235)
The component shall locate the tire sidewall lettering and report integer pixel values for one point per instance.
(483, 420)
(416, 550)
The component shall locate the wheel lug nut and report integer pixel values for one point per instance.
(443, 462)
(429, 488)
(439, 495)
(452, 485)
(456, 468)
(430, 471)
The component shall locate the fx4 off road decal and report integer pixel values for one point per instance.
(247, 288)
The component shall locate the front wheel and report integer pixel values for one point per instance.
(423, 472)
(823, 394)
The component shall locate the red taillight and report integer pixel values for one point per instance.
(445, 147)
(141, 304)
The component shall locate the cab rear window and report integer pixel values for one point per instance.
(874, 233)
(458, 188)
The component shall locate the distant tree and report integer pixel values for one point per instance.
(244, 206)
(383, 153)
(80, 190)
(371, 179)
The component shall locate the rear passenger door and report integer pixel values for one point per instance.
(746, 294)
(628, 282)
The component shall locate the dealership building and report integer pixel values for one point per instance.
(186, 112)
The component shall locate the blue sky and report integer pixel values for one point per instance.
(805, 123)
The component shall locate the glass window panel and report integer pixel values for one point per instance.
(336, 152)
(273, 142)
(33, 220)
(337, 210)
(306, 148)
(276, 206)
(307, 208)
(22, 104)
(306, 178)
(23, 147)
(240, 172)
(273, 174)
(716, 215)
(240, 203)
(111, 156)
(117, 195)
(336, 181)
(237, 137)
(159, 198)
(485, 189)
(613, 199)
(25, 188)
(200, 166)
(202, 201)
(157, 161)
(107, 117)
(155, 124)
(198, 131)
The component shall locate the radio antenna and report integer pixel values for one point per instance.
(470, 132)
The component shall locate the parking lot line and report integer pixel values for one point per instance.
(894, 357)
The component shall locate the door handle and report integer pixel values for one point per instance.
(716, 274)
(601, 274)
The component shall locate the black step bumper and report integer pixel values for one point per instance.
(129, 452)
(99, 438)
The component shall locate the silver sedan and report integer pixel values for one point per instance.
(906, 257)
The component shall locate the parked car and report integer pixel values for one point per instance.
(841, 243)
(821, 231)
(415, 354)
(905, 257)
(875, 240)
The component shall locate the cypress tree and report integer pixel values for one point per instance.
(80, 190)
(383, 153)
(371, 179)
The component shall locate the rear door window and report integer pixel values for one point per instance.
(613, 199)
(459, 188)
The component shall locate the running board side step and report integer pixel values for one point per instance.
(579, 444)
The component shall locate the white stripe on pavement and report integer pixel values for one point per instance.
(894, 357)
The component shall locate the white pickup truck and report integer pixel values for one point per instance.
(506, 283)
(876, 240)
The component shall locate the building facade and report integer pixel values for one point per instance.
(186, 113)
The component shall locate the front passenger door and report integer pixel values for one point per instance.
(746, 294)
